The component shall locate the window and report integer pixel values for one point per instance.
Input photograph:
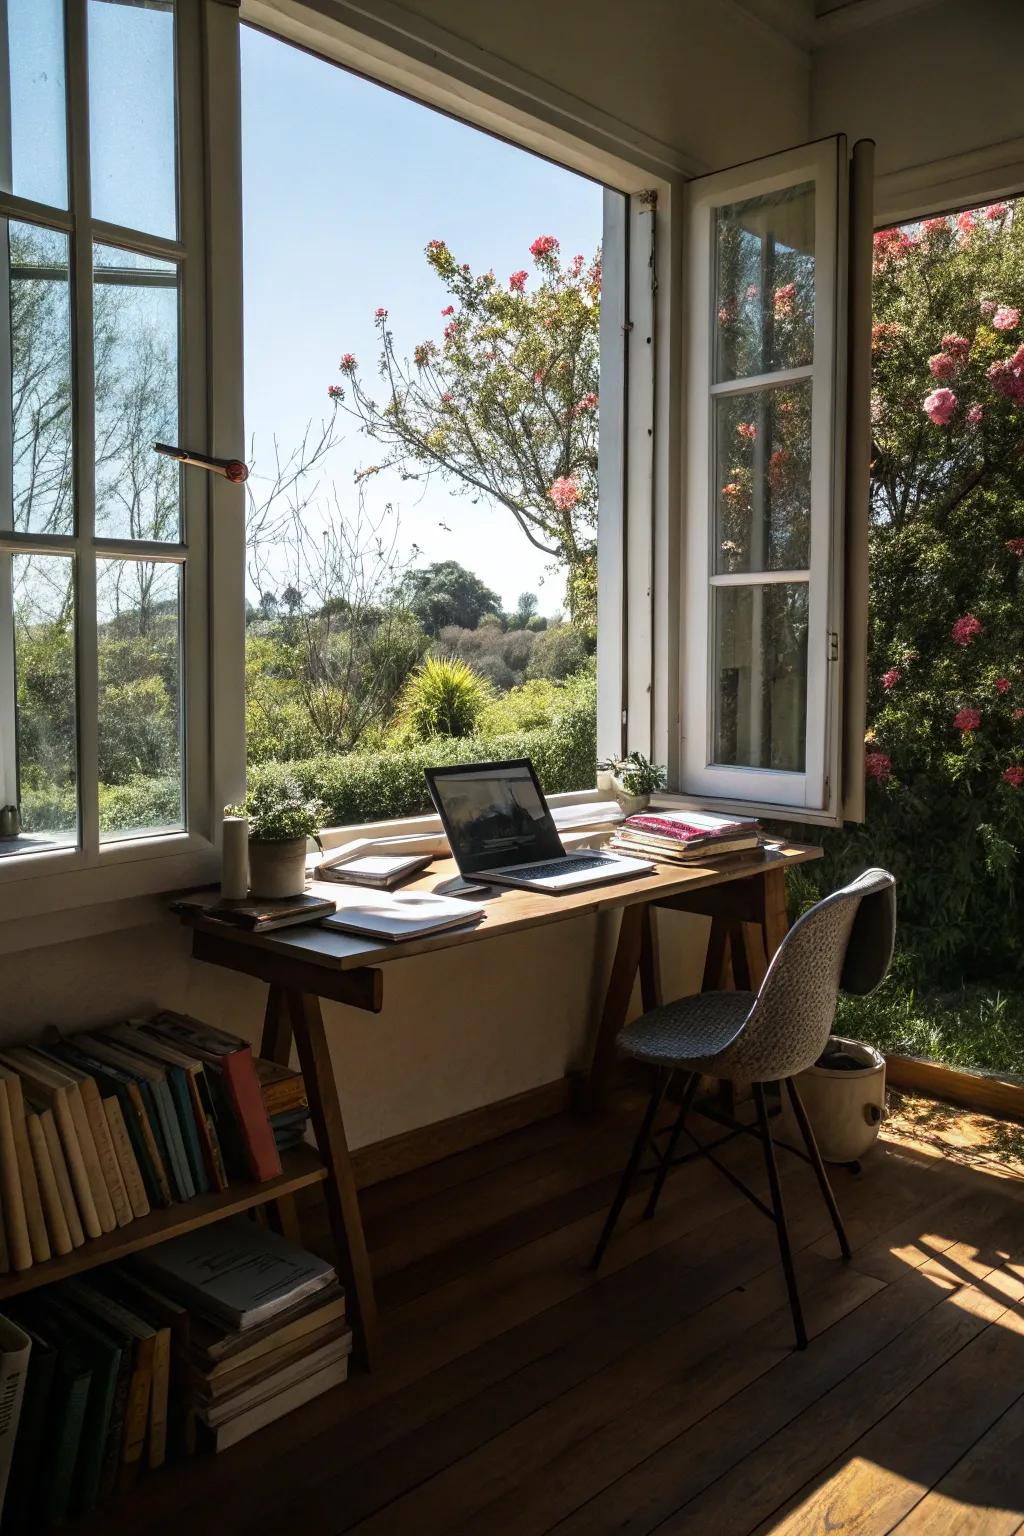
(763, 552)
(104, 642)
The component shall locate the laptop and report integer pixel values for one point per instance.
(501, 831)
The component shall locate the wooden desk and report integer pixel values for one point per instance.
(745, 899)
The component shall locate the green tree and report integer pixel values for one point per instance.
(505, 403)
(446, 593)
(443, 697)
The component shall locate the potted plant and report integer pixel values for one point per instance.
(280, 819)
(633, 780)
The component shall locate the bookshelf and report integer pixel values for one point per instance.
(301, 1168)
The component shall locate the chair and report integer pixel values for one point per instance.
(844, 942)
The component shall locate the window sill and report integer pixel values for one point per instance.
(430, 826)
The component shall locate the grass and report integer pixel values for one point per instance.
(979, 1027)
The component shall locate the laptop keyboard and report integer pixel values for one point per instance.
(559, 867)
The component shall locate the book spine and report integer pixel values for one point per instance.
(5, 1256)
(173, 1140)
(58, 1162)
(10, 1189)
(162, 1190)
(53, 1209)
(136, 1415)
(34, 1217)
(287, 1094)
(156, 1451)
(102, 1202)
(80, 1181)
(212, 1157)
(126, 1159)
(109, 1166)
(13, 1371)
(254, 1123)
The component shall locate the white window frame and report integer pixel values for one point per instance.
(813, 794)
(207, 254)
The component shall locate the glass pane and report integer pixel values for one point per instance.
(44, 662)
(40, 380)
(131, 114)
(760, 670)
(763, 465)
(138, 492)
(764, 284)
(34, 158)
(139, 644)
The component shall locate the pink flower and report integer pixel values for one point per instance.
(1007, 377)
(449, 309)
(1018, 713)
(891, 678)
(777, 468)
(594, 274)
(784, 300)
(451, 329)
(727, 312)
(335, 392)
(538, 377)
(1002, 685)
(436, 245)
(517, 282)
(1014, 776)
(544, 245)
(747, 429)
(1016, 547)
(446, 398)
(878, 766)
(995, 211)
(941, 365)
(890, 245)
(1006, 318)
(965, 224)
(987, 307)
(380, 313)
(974, 415)
(932, 227)
(966, 629)
(587, 403)
(348, 363)
(967, 719)
(564, 493)
(957, 346)
(732, 489)
(576, 265)
(752, 291)
(939, 406)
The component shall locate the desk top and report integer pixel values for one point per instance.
(506, 909)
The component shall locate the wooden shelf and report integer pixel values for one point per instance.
(302, 1166)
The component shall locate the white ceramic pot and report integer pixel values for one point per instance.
(844, 1105)
(277, 869)
(605, 783)
(630, 805)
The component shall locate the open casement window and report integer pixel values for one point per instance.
(763, 546)
(105, 252)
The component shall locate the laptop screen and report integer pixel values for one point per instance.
(494, 814)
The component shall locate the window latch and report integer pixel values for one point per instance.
(232, 469)
(833, 645)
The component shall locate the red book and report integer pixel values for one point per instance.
(235, 1060)
(691, 826)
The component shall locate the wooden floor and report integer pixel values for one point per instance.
(520, 1394)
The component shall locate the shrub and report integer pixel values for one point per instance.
(558, 652)
(443, 697)
(276, 808)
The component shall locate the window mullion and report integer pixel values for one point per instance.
(84, 418)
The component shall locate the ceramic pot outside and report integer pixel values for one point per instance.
(277, 869)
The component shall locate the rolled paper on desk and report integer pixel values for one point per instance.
(234, 877)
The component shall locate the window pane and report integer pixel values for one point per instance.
(139, 645)
(40, 402)
(760, 667)
(44, 660)
(763, 466)
(764, 284)
(131, 113)
(138, 492)
(33, 159)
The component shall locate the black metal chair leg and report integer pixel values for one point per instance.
(782, 1231)
(643, 1136)
(673, 1142)
(818, 1166)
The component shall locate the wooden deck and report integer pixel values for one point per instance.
(519, 1394)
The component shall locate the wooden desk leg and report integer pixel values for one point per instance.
(616, 1006)
(650, 968)
(775, 925)
(276, 1045)
(340, 1190)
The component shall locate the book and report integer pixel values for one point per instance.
(219, 1410)
(168, 1421)
(140, 1118)
(223, 1436)
(30, 1447)
(18, 1245)
(402, 915)
(689, 827)
(235, 1272)
(53, 1209)
(124, 1135)
(58, 1162)
(15, 1349)
(159, 1104)
(203, 1113)
(380, 871)
(669, 850)
(216, 1349)
(141, 1339)
(281, 1088)
(41, 1089)
(178, 1080)
(69, 1111)
(62, 1434)
(99, 1127)
(234, 1058)
(255, 916)
(35, 1218)
(103, 1355)
(224, 1384)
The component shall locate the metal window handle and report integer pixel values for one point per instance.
(232, 469)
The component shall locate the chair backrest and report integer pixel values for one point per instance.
(831, 946)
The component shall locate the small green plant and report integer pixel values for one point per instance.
(277, 810)
(443, 697)
(635, 774)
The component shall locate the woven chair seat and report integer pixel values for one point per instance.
(692, 1033)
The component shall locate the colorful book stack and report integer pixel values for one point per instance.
(103, 1377)
(101, 1128)
(284, 1099)
(686, 837)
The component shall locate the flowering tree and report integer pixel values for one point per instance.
(945, 748)
(504, 402)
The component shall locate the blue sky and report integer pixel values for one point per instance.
(344, 184)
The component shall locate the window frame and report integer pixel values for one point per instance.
(207, 248)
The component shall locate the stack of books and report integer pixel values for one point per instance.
(284, 1099)
(100, 1129)
(687, 837)
(266, 1328)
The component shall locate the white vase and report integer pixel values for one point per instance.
(277, 869)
